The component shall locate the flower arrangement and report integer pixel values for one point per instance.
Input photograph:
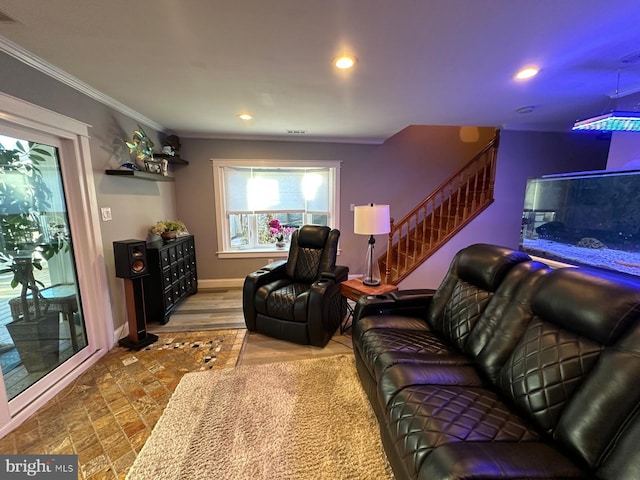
(277, 231)
(168, 226)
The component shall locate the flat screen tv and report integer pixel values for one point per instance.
(585, 218)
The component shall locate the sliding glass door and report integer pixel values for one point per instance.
(41, 319)
(55, 314)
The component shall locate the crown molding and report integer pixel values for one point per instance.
(37, 63)
(281, 138)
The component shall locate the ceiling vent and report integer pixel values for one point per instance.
(296, 132)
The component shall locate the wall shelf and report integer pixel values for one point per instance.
(152, 177)
(172, 159)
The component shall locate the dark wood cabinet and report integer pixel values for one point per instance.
(172, 277)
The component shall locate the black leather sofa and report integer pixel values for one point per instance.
(510, 369)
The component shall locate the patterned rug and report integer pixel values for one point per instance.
(307, 419)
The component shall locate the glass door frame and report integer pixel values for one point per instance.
(25, 120)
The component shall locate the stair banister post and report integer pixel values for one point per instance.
(387, 270)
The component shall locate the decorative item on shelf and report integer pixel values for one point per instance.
(129, 166)
(141, 147)
(153, 166)
(164, 167)
(371, 220)
(171, 145)
(279, 233)
(169, 230)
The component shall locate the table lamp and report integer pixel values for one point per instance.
(371, 220)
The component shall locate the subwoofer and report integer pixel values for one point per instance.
(130, 257)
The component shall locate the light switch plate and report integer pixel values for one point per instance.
(105, 212)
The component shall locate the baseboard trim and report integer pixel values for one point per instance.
(220, 283)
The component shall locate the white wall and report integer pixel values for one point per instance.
(624, 152)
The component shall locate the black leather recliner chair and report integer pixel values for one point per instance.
(299, 299)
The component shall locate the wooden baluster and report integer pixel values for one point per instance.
(471, 188)
(387, 271)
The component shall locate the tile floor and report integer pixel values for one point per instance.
(107, 414)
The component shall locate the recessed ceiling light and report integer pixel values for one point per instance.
(245, 116)
(526, 73)
(345, 61)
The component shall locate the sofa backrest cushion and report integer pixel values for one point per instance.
(474, 275)
(313, 250)
(505, 319)
(598, 305)
(565, 339)
(545, 369)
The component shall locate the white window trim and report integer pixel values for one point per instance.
(218, 164)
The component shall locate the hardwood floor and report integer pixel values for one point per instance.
(213, 308)
(108, 413)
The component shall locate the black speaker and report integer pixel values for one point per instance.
(130, 257)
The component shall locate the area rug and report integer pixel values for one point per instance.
(306, 419)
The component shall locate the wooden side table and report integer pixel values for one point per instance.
(354, 289)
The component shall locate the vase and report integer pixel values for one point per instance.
(168, 236)
(281, 245)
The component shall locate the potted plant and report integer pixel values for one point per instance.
(24, 196)
(34, 330)
(168, 229)
(279, 232)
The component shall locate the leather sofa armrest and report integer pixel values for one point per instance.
(339, 274)
(417, 295)
(252, 282)
(321, 314)
(496, 460)
(410, 303)
(273, 265)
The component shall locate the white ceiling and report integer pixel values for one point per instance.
(191, 66)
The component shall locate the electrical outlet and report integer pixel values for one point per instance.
(352, 207)
(105, 212)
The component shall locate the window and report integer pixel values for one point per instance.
(251, 193)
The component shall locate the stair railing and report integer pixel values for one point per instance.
(452, 205)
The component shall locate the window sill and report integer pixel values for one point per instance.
(271, 253)
(255, 253)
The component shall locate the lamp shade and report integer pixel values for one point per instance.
(371, 219)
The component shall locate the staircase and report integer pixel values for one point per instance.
(441, 215)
